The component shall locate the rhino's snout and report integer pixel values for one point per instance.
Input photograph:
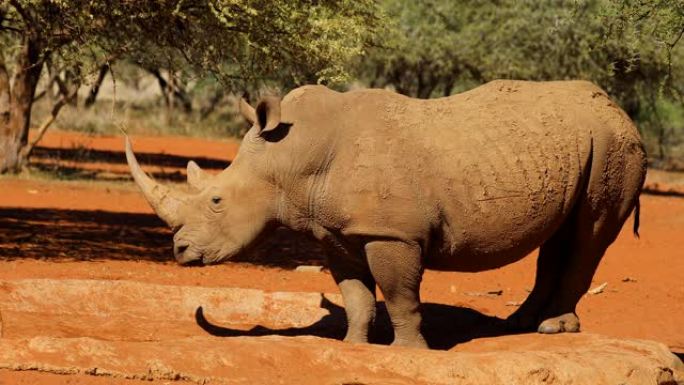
(184, 254)
(179, 248)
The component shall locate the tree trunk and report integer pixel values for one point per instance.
(95, 88)
(72, 80)
(64, 99)
(4, 93)
(448, 85)
(214, 101)
(171, 90)
(15, 125)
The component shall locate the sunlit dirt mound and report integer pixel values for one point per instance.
(133, 330)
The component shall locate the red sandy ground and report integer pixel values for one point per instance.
(82, 229)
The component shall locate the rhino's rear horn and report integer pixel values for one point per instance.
(165, 202)
(197, 178)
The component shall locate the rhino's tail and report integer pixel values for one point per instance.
(637, 209)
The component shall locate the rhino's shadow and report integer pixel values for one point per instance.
(444, 326)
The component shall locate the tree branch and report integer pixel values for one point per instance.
(48, 87)
(95, 88)
(677, 39)
(11, 29)
(63, 100)
(28, 20)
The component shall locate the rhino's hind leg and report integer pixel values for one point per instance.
(595, 229)
(598, 219)
(552, 254)
(396, 267)
(566, 266)
(586, 252)
(358, 291)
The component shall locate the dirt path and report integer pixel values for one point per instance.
(105, 231)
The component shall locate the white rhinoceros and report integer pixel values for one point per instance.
(395, 185)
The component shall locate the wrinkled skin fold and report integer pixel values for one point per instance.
(395, 185)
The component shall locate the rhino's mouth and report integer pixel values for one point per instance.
(189, 255)
(186, 255)
(192, 258)
(193, 263)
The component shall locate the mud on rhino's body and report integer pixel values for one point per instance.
(395, 185)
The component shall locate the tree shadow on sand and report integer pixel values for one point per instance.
(85, 235)
(444, 326)
(84, 154)
(82, 163)
(76, 173)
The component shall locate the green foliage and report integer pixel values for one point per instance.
(477, 41)
(662, 127)
(239, 41)
(631, 48)
(244, 44)
(245, 40)
(652, 31)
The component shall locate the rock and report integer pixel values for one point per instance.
(576, 359)
(490, 293)
(309, 269)
(100, 309)
(144, 331)
(598, 289)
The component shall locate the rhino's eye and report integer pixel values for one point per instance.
(215, 200)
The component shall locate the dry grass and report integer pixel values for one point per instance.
(139, 106)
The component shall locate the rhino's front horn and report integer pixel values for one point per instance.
(164, 201)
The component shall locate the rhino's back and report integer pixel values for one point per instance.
(510, 163)
(490, 171)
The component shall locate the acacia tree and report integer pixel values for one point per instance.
(436, 42)
(653, 32)
(241, 42)
(631, 48)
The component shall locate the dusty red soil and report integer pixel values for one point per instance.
(10, 377)
(79, 229)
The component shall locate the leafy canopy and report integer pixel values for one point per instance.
(631, 48)
(293, 41)
(436, 43)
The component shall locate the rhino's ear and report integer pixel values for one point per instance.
(197, 178)
(247, 111)
(268, 113)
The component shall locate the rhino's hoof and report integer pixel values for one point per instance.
(417, 342)
(566, 323)
(356, 339)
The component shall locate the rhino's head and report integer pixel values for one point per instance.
(223, 214)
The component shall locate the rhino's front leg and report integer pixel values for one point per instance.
(397, 268)
(358, 291)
